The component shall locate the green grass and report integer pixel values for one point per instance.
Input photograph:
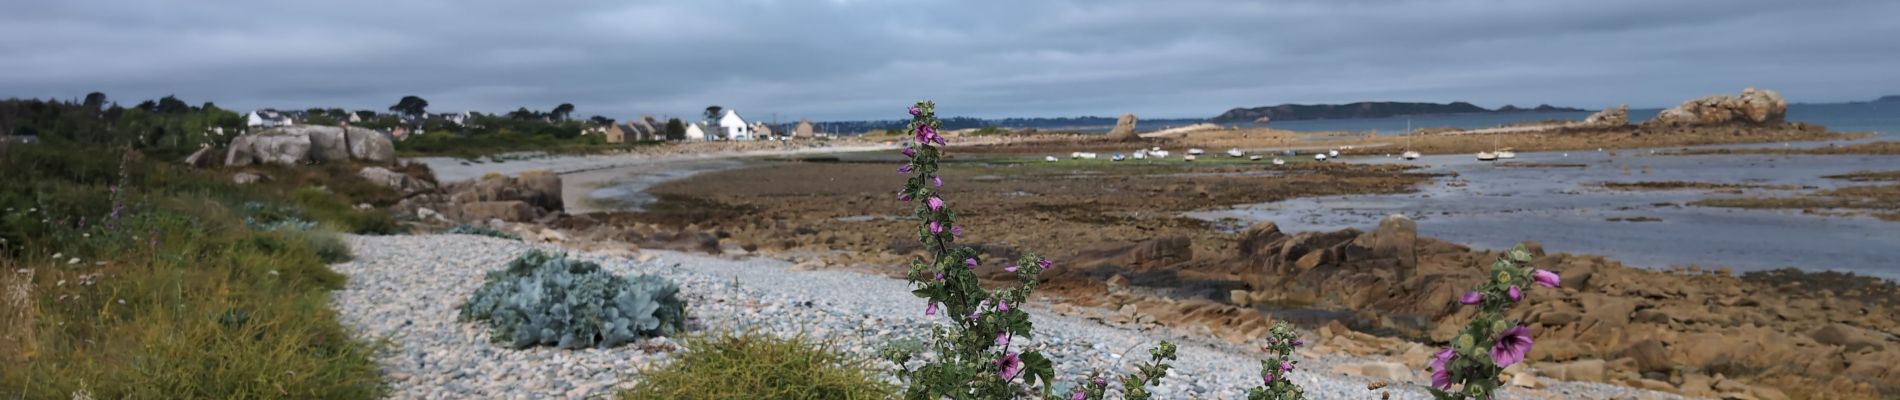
(760, 366)
(171, 296)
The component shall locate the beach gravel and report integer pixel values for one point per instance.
(405, 292)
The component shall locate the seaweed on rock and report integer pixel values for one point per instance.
(549, 299)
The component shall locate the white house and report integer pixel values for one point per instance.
(694, 133)
(735, 127)
(266, 119)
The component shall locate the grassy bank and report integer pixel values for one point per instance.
(129, 277)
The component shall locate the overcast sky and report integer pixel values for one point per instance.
(867, 59)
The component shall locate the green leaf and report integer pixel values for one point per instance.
(1038, 367)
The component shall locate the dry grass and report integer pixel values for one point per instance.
(760, 366)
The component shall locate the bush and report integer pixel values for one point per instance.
(759, 366)
(466, 229)
(330, 248)
(544, 299)
(336, 210)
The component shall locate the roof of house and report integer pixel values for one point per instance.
(731, 119)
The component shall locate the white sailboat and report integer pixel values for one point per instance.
(1195, 151)
(1409, 154)
(1488, 155)
(1278, 161)
(1506, 154)
(1236, 153)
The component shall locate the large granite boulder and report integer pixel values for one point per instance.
(281, 149)
(395, 180)
(1753, 106)
(543, 189)
(1609, 117)
(1163, 251)
(510, 211)
(240, 154)
(371, 146)
(202, 158)
(1389, 246)
(1124, 129)
(540, 191)
(326, 142)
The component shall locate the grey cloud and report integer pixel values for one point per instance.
(992, 58)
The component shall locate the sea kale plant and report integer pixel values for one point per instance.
(1489, 343)
(1276, 384)
(549, 299)
(466, 229)
(981, 353)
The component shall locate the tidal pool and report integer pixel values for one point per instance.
(1492, 205)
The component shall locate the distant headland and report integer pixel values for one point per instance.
(1364, 109)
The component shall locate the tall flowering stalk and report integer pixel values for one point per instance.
(1489, 343)
(1275, 380)
(981, 353)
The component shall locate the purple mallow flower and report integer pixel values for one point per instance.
(1299, 342)
(936, 228)
(956, 230)
(905, 169)
(1546, 278)
(934, 203)
(1079, 395)
(969, 262)
(904, 196)
(938, 180)
(1008, 366)
(1471, 297)
(1044, 263)
(1286, 366)
(1441, 378)
(1099, 381)
(1515, 294)
(1010, 268)
(910, 152)
(1002, 339)
(940, 276)
(932, 310)
(1511, 346)
(1266, 379)
(1002, 306)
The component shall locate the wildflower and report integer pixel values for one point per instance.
(1099, 381)
(937, 180)
(1471, 298)
(905, 169)
(1079, 395)
(904, 196)
(936, 228)
(935, 203)
(1044, 263)
(1441, 377)
(1009, 365)
(969, 262)
(1511, 346)
(1515, 294)
(940, 276)
(1002, 306)
(1002, 339)
(1299, 342)
(956, 230)
(925, 134)
(1546, 278)
(914, 111)
(910, 152)
(1267, 378)
(1286, 366)
(1011, 268)
(932, 310)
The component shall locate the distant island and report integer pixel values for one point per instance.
(1365, 109)
(1888, 99)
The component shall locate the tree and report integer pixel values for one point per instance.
(523, 114)
(411, 106)
(599, 120)
(365, 114)
(675, 130)
(172, 105)
(561, 111)
(713, 112)
(95, 101)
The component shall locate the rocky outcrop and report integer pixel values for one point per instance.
(280, 149)
(1752, 107)
(538, 192)
(298, 144)
(1124, 130)
(1609, 117)
(1161, 252)
(403, 183)
(240, 153)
